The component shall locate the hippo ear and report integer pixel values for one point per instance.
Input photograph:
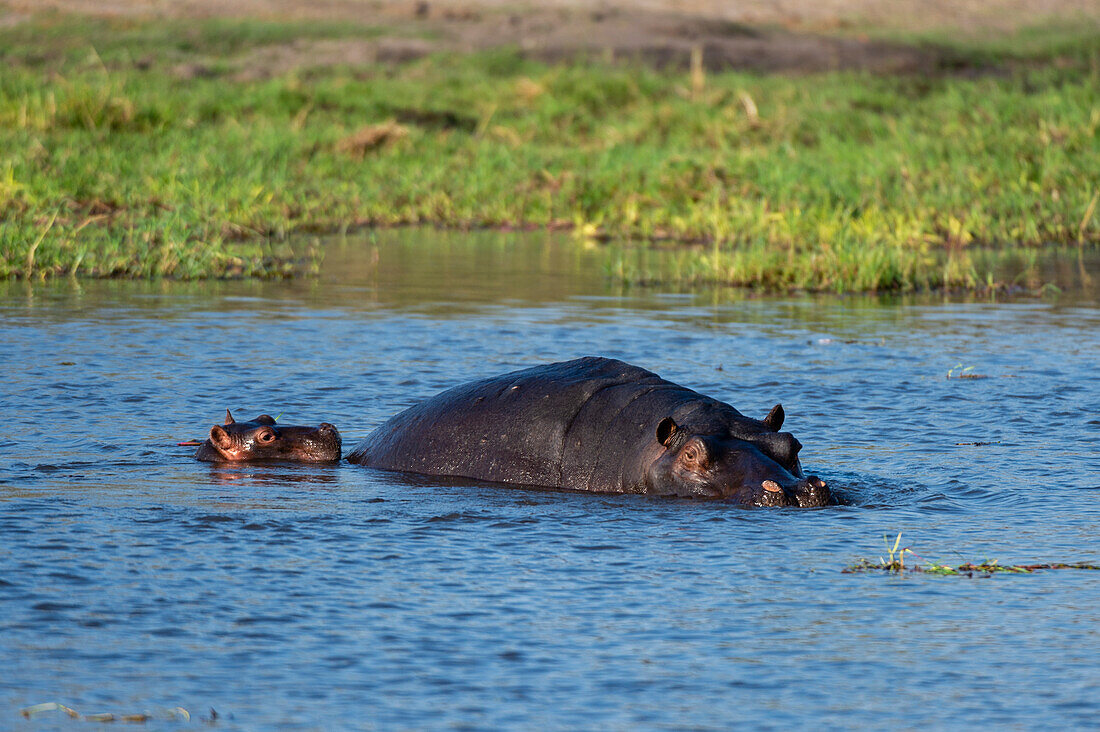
(220, 438)
(774, 420)
(665, 430)
(228, 417)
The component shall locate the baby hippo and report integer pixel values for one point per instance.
(263, 439)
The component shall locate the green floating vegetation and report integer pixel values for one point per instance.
(176, 713)
(967, 569)
(894, 563)
(162, 149)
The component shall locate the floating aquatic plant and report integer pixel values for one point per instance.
(964, 372)
(167, 714)
(894, 563)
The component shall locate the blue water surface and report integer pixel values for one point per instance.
(133, 578)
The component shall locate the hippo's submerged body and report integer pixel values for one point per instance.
(595, 424)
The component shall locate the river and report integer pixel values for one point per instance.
(316, 597)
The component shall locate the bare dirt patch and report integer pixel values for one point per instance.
(757, 35)
(966, 15)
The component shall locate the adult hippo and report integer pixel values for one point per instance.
(263, 439)
(596, 424)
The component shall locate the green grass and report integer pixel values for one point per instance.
(112, 163)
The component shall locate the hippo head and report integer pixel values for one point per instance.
(757, 465)
(263, 439)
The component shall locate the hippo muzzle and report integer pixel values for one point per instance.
(806, 493)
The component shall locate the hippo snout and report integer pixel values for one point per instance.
(812, 492)
(329, 443)
(773, 495)
(807, 493)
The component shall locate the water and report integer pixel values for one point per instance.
(311, 597)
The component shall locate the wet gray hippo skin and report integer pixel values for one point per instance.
(596, 424)
(263, 439)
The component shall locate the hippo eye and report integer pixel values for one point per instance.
(694, 455)
(266, 436)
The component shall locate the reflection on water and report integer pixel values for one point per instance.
(132, 577)
(443, 273)
(413, 267)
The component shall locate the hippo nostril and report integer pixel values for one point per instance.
(812, 492)
(774, 495)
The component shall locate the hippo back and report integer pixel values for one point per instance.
(584, 425)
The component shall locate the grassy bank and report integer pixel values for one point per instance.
(162, 150)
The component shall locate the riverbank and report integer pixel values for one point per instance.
(135, 146)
